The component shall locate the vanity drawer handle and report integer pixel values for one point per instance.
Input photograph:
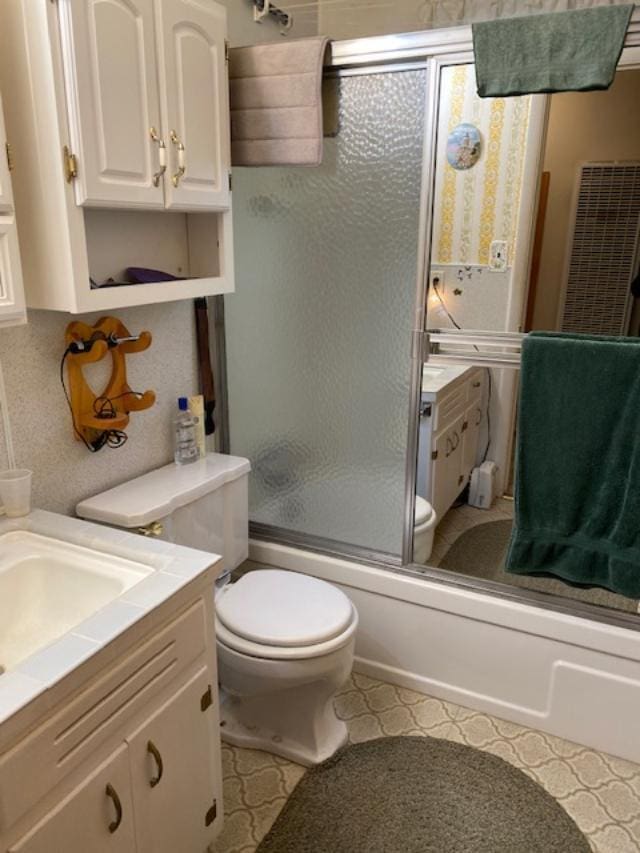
(113, 796)
(479, 411)
(154, 752)
(449, 447)
(476, 384)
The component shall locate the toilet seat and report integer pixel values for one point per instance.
(282, 615)
(272, 607)
(423, 512)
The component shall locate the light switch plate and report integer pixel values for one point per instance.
(498, 256)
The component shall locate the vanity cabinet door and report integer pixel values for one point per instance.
(447, 478)
(110, 67)
(176, 774)
(97, 816)
(194, 90)
(472, 419)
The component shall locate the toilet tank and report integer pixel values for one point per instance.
(202, 505)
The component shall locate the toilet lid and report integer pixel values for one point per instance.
(276, 608)
(423, 511)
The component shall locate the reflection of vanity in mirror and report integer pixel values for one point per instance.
(541, 232)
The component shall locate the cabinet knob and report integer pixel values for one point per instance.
(154, 752)
(182, 168)
(115, 799)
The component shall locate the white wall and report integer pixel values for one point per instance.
(346, 19)
(243, 30)
(65, 472)
(582, 126)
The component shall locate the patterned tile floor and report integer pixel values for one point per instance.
(601, 793)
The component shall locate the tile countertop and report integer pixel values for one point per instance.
(447, 375)
(173, 567)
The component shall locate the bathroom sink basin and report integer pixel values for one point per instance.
(48, 586)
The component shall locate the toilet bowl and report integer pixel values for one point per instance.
(425, 521)
(285, 646)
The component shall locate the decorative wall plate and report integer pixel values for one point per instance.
(464, 146)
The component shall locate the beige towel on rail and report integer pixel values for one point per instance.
(276, 103)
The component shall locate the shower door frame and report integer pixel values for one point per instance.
(429, 50)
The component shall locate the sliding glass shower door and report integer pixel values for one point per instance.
(318, 331)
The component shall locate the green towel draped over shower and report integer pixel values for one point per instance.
(557, 52)
(577, 499)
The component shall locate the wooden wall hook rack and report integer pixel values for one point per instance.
(94, 413)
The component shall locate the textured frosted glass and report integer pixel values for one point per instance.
(318, 331)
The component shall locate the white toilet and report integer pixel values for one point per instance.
(285, 640)
(425, 521)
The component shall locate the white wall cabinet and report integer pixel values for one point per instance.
(118, 112)
(147, 96)
(12, 303)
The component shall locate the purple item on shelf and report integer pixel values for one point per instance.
(141, 275)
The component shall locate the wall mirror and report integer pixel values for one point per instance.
(540, 232)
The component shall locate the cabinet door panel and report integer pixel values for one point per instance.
(12, 307)
(473, 419)
(446, 471)
(112, 91)
(191, 35)
(176, 773)
(81, 821)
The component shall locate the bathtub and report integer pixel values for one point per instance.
(563, 674)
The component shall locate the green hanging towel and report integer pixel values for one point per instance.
(577, 498)
(558, 52)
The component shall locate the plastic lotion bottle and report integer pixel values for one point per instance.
(186, 445)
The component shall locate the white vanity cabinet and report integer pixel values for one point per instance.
(450, 423)
(12, 306)
(118, 111)
(128, 760)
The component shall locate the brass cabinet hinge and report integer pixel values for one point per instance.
(230, 182)
(211, 814)
(70, 164)
(465, 425)
(434, 454)
(226, 50)
(10, 162)
(206, 700)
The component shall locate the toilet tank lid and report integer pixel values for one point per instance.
(157, 494)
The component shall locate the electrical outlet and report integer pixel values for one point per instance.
(498, 256)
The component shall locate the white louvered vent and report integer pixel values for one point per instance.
(603, 250)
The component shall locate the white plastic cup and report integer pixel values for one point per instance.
(15, 492)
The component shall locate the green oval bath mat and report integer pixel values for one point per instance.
(420, 795)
